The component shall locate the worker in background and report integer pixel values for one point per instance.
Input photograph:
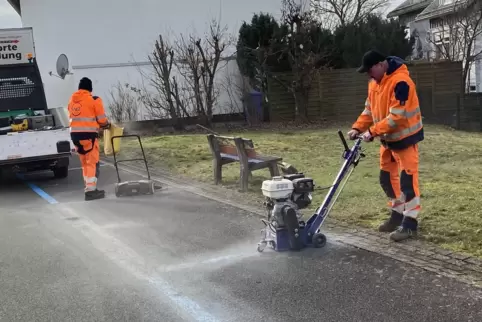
(393, 115)
(87, 118)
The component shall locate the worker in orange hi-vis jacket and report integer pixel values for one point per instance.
(87, 118)
(393, 115)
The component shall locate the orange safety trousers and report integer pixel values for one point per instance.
(89, 159)
(399, 179)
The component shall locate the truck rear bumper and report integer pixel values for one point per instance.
(44, 162)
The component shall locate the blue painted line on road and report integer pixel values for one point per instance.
(183, 302)
(51, 200)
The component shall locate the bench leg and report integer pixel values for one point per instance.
(217, 171)
(273, 169)
(244, 173)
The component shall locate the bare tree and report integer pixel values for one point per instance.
(334, 13)
(189, 67)
(123, 106)
(166, 100)
(180, 82)
(456, 36)
(198, 62)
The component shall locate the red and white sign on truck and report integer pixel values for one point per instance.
(16, 46)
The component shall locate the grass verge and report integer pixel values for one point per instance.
(450, 172)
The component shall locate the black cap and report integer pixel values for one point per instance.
(85, 84)
(370, 59)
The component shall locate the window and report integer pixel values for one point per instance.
(445, 2)
(436, 23)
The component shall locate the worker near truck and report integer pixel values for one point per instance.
(87, 118)
(393, 115)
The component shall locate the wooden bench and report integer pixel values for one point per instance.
(227, 150)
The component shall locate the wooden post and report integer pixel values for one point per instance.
(458, 118)
(479, 105)
(243, 164)
(217, 165)
(273, 169)
(434, 110)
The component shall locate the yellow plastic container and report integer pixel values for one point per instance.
(114, 130)
(22, 126)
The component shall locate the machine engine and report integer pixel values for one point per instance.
(292, 190)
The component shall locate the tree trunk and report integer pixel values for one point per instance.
(301, 105)
(465, 74)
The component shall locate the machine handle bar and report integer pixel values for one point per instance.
(343, 140)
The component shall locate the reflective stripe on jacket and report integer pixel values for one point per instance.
(392, 110)
(86, 112)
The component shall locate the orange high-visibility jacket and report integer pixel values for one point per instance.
(86, 112)
(392, 110)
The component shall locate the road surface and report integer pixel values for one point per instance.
(180, 257)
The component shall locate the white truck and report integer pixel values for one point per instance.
(31, 138)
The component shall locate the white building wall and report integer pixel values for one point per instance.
(95, 33)
(432, 35)
(478, 64)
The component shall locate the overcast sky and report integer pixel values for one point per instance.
(10, 19)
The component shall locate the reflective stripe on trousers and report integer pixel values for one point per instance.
(409, 209)
(399, 179)
(90, 164)
(90, 183)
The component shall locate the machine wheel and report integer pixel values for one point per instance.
(61, 172)
(272, 244)
(262, 246)
(319, 240)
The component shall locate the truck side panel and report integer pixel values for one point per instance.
(18, 145)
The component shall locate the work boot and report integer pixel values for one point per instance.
(407, 230)
(392, 223)
(93, 195)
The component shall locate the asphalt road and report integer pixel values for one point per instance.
(176, 256)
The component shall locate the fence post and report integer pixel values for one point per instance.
(457, 113)
(479, 105)
(434, 111)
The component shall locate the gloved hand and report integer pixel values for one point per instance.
(352, 134)
(105, 127)
(367, 136)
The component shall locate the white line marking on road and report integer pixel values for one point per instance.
(123, 225)
(212, 263)
(128, 259)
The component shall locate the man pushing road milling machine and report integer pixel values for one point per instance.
(393, 115)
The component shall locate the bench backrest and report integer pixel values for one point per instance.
(234, 146)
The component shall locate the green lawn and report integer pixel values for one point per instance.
(450, 176)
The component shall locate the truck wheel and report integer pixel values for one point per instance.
(61, 172)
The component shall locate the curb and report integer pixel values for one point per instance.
(462, 267)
